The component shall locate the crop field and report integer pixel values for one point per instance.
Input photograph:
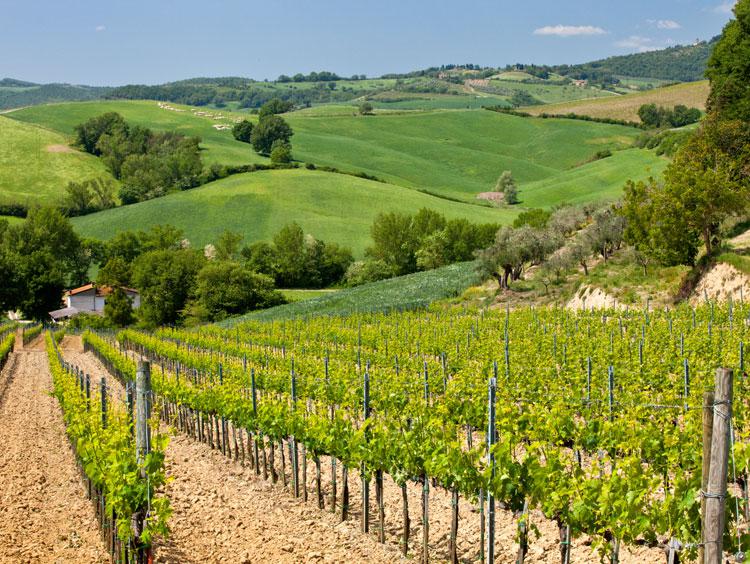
(598, 181)
(586, 426)
(332, 207)
(451, 153)
(36, 164)
(691, 94)
(412, 291)
(549, 93)
(409, 101)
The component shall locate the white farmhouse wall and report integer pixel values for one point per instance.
(85, 301)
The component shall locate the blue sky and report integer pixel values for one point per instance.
(136, 41)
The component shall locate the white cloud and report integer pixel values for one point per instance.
(640, 44)
(569, 30)
(100, 28)
(725, 7)
(667, 24)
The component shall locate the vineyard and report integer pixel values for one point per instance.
(594, 421)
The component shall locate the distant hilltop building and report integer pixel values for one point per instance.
(90, 299)
(580, 83)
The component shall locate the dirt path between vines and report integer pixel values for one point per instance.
(44, 514)
(224, 513)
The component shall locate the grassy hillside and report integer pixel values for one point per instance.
(600, 180)
(405, 292)
(36, 164)
(333, 207)
(452, 153)
(692, 94)
(219, 146)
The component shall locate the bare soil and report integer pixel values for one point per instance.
(721, 283)
(44, 514)
(60, 149)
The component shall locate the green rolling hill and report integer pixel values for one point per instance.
(333, 207)
(36, 164)
(456, 154)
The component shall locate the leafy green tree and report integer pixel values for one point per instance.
(166, 280)
(78, 198)
(275, 106)
(291, 256)
(365, 108)
(269, 129)
(261, 257)
(118, 309)
(649, 115)
(227, 288)
(89, 132)
(243, 130)
(228, 246)
(116, 272)
(654, 224)
(281, 152)
(362, 272)
(394, 243)
(507, 185)
(38, 258)
(728, 67)
(709, 178)
(535, 217)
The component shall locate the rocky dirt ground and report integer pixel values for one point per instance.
(44, 514)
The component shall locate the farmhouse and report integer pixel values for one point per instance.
(90, 299)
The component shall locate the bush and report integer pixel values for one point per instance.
(362, 272)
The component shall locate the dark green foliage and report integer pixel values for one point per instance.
(729, 67)
(682, 63)
(89, 133)
(300, 261)
(270, 129)
(148, 164)
(228, 288)
(166, 280)
(38, 258)
(118, 309)
(89, 196)
(275, 106)
(657, 116)
(406, 243)
(535, 217)
(18, 93)
(281, 152)
(365, 108)
(654, 228)
(242, 131)
(523, 98)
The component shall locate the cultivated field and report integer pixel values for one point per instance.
(333, 207)
(36, 164)
(451, 153)
(691, 94)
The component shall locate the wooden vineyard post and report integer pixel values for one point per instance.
(426, 487)
(103, 393)
(708, 412)
(255, 416)
(490, 528)
(293, 440)
(365, 482)
(142, 434)
(716, 490)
